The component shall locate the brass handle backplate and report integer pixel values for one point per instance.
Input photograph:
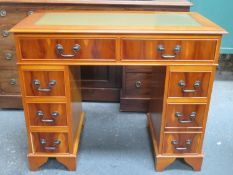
(5, 33)
(196, 85)
(3, 13)
(188, 143)
(162, 49)
(192, 116)
(60, 51)
(13, 82)
(50, 148)
(51, 84)
(8, 56)
(30, 12)
(138, 84)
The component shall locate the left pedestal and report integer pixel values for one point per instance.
(53, 113)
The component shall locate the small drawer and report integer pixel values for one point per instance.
(7, 58)
(185, 115)
(9, 83)
(168, 50)
(189, 84)
(138, 85)
(64, 48)
(44, 83)
(50, 142)
(181, 143)
(46, 114)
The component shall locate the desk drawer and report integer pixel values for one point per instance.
(9, 83)
(46, 114)
(185, 115)
(138, 85)
(64, 48)
(50, 142)
(189, 84)
(178, 49)
(181, 143)
(44, 83)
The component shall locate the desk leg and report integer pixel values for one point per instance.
(194, 162)
(35, 162)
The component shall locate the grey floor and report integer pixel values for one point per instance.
(115, 143)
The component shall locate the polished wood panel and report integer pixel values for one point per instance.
(194, 147)
(186, 110)
(44, 77)
(189, 78)
(147, 49)
(47, 109)
(50, 138)
(90, 48)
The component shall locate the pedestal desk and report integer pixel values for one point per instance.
(181, 47)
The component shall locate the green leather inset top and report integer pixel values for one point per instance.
(117, 19)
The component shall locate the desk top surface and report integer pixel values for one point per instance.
(117, 22)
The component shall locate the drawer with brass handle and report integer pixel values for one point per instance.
(181, 143)
(9, 83)
(171, 50)
(137, 84)
(50, 142)
(7, 58)
(44, 83)
(75, 48)
(47, 114)
(187, 116)
(189, 84)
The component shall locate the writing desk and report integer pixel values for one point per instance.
(182, 47)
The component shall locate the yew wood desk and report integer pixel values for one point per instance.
(182, 47)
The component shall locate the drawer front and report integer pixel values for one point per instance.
(180, 143)
(9, 83)
(44, 83)
(170, 50)
(80, 48)
(185, 115)
(50, 142)
(138, 69)
(138, 84)
(7, 58)
(47, 114)
(189, 84)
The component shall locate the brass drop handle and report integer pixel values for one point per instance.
(40, 114)
(188, 142)
(192, 116)
(51, 84)
(162, 49)
(196, 85)
(50, 148)
(60, 51)
(138, 84)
